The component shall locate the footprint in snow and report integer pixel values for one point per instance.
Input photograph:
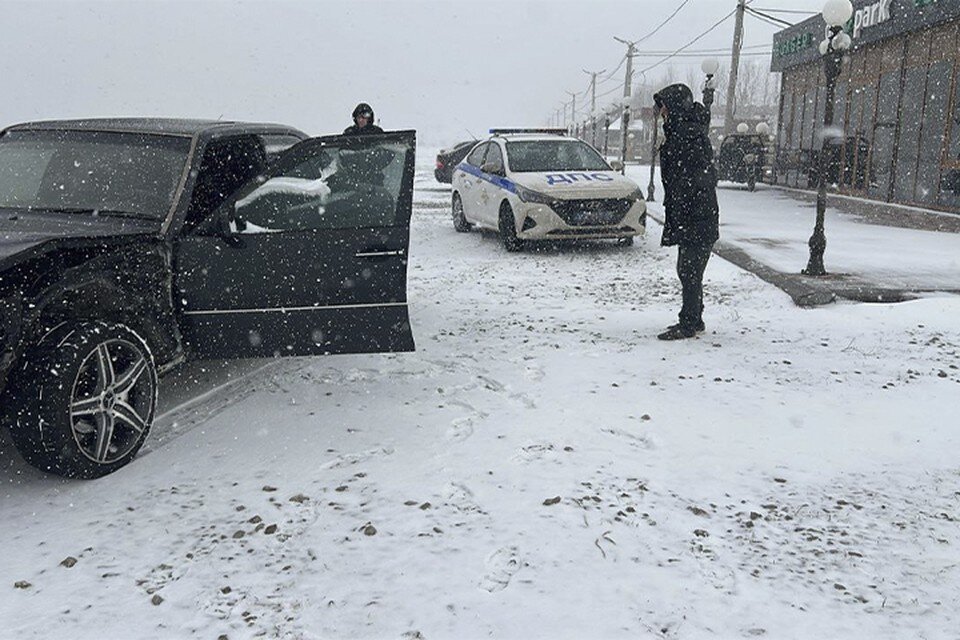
(502, 565)
(348, 459)
(460, 429)
(633, 439)
(535, 452)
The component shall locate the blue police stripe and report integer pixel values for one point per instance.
(497, 181)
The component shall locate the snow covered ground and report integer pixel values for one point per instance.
(773, 227)
(541, 467)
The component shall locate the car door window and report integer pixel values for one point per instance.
(494, 158)
(276, 144)
(476, 156)
(228, 163)
(332, 186)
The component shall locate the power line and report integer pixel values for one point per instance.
(717, 50)
(695, 40)
(662, 24)
(610, 75)
(768, 18)
(794, 11)
(726, 54)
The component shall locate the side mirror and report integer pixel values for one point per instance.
(616, 165)
(230, 229)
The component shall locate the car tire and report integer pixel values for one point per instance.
(85, 399)
(625, 242)
(508, 229)
(459, 217)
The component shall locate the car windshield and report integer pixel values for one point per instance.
(87, 172)
(553, 155)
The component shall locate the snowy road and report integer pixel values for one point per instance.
(541, 467)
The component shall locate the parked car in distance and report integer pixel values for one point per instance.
(129, 245)
(448, 159)
(742, 158)
(539, 186)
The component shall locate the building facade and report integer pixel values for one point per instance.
(897, 107)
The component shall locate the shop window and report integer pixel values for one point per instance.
(882, 134)
(950, 177)
(863, 102)
(845, 160)
(932, 138)
(908, 143)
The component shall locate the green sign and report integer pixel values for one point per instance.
(800, 42)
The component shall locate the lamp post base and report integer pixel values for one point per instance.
(818, 245)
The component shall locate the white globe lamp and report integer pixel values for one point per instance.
(763, 128)
(742, 127)
(710, 66)
(837, 12)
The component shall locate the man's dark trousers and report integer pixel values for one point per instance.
(691, 263)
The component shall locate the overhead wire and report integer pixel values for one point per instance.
(793, 11)
(662, 24)
(695, 40)
(768, 18)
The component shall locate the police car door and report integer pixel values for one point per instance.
(494, 179)
(471, 183)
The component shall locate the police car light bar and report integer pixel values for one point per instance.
(548, 130)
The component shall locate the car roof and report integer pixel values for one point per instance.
(167, 126)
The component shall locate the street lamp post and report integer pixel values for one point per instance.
(835, 13)
(651, 189)
(710, 66)
(606, 133)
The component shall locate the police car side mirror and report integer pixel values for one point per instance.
(616, 165)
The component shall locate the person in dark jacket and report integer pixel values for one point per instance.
(690, 199)
(362, 121)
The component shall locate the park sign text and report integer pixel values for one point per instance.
(870, 16)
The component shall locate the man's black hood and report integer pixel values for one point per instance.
(677, 98)
(685, 118)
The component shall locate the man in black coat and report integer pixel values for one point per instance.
(690, 199)
(362, 121)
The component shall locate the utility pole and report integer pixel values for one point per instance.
(573, 109)
(625, 117)
(734, 68)
(593, 104)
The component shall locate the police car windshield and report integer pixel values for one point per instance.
(535, 156)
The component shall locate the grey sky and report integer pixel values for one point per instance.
(441, 67)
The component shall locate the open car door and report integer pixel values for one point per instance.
(315, 257)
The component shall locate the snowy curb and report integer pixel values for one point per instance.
(805, 291)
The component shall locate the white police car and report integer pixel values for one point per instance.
(539, 186)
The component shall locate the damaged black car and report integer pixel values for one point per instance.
(130, 245)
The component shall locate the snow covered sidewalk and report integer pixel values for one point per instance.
(541, 467)
(772, 226)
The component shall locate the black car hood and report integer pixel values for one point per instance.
(25, 234)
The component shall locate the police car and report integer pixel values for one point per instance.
(532, 185)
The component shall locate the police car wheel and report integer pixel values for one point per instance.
(625, 242)
(459, 218)
(508, 229)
